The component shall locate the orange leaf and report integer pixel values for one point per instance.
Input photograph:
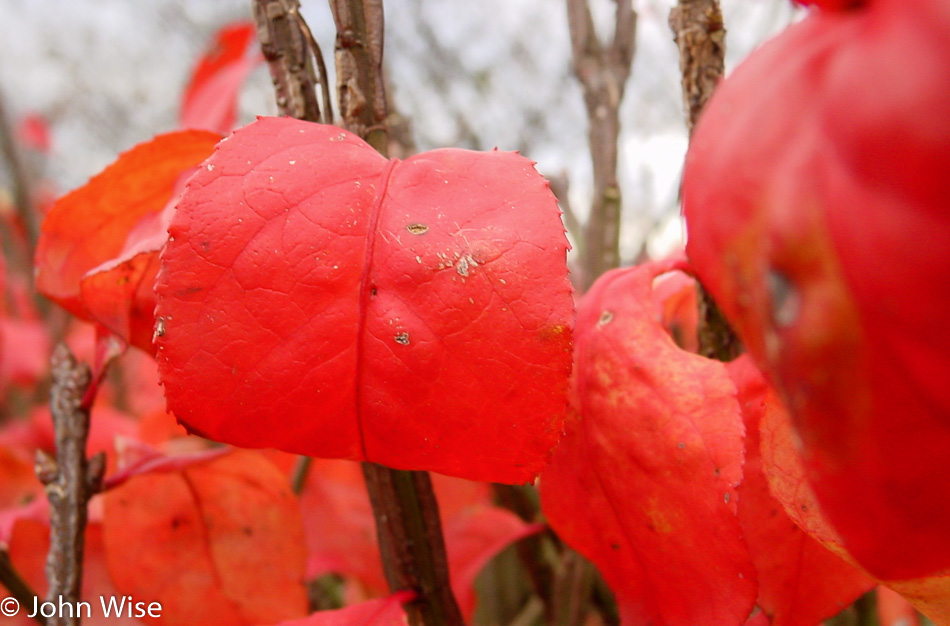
(216, 542)
(112, 220)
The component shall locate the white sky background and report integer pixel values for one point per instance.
(491, 73)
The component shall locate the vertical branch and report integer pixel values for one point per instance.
(70, 479)
(603, 72)
(700, 36)
(359, 69)
(407, 514)
(404, 504)
(285, 47)
(411, 542)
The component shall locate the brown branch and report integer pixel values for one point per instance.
(700, 36)
(603, 73)
(407, 514)
(70, 479)
(359, 69)
(411, 542)
(285, 47)
(404, 504)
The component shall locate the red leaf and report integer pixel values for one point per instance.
(784, 467)
(800, 581)
(381, 612)
(106, 222)
(218, 542)
(210, 100)
(646, 475)
(317, 298)
(816, 203)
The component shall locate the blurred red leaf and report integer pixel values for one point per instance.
(24, 351)
(210, 100)
(97, 243)
(800, 581)
(381, 612)
(646, 475)
(816, 203)
(216, 542)
(18, 482)
(317, 298)
(785, 470)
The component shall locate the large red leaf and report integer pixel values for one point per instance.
(97, 242)
(815, 193)
(214, 542)
(801, 582)
(210, 100)
(317, 298)
(644, 482)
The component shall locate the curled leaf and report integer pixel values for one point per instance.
(644, 482)
(97, 243)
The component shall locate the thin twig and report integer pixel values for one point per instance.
(286, 49)
(323, 77)
(18, 588)
(603, 72)
(70, 479)
(700, 36)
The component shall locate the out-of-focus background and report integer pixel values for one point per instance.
(107, 74)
